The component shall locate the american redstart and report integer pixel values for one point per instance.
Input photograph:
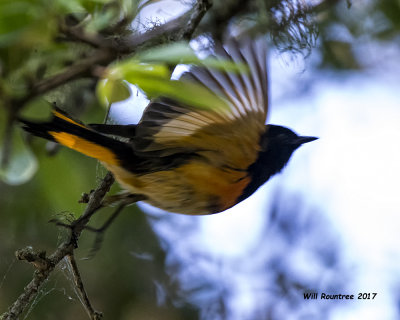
(187, 159)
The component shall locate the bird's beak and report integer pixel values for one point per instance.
(304, 139)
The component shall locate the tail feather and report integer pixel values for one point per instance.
(75, 135)
(36, 129)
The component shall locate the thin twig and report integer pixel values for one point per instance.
(124, 198)
(93, 314)
(100, 231)
(95, 202)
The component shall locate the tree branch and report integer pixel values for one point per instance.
(77, 33)
(110, 50)
(199, 10)
(45, 265)
(93, 314)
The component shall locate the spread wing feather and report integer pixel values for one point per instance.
(226, 136)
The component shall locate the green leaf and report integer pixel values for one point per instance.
(178, 52)
(182, 53)
(131, 69)
(188, 93)
(14, 18)
(92, 5)
(110, 91)
(154, 78)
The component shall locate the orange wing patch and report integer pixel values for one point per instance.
(86, 147)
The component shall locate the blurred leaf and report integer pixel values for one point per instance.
(391, 10)
(15, 17)
(101, 20)
(70, 6)
(129, 7)
(92, 5)
(22, 164)
(178, 52)
(153, 77)
(110, 91)
(188, 93)
(147, 3)
(340, 54)
(182, 53)
(131, 69)
(37, 110)
(25, 22)
(154, 80)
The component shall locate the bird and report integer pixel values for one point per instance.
(185, 159)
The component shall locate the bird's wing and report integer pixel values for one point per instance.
(229, 136)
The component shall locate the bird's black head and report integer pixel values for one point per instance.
(277, 145)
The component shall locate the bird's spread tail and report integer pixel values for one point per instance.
(74, 135)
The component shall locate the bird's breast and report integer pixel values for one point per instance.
(194, 188)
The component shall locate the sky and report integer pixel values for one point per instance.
(350, 174)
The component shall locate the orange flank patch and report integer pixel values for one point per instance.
(195, 188)
(226, 185)
(61, 116)
(86, 147)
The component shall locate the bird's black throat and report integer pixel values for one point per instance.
(279, 146)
